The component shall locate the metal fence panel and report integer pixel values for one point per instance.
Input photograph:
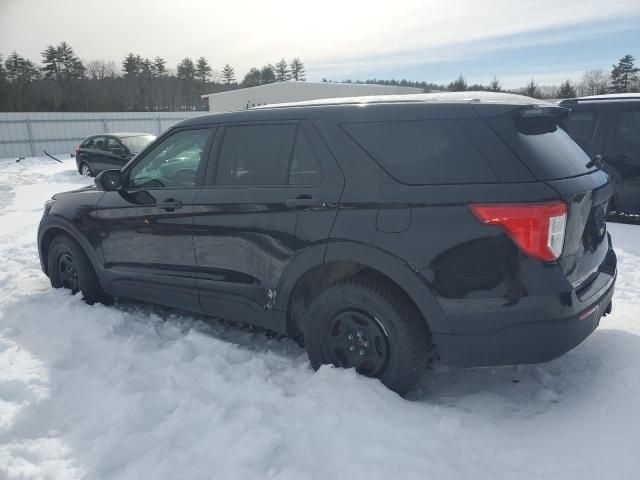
(24, 134)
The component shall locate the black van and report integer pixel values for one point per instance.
(607, 127)
(382, 233)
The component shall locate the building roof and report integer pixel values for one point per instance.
(313, 85)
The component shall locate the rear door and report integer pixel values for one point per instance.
(148, 240)
(96, 154)
(271, 191)
(622, 156)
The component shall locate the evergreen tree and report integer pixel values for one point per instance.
(61, 63)
(131, 66)
(186, 69)
(159, 66)
(203, 70)
(282, 71)
(458, 85)
(251, 79)
(3, 73)
(20, 70)
(495, 86)
(566, 90)
(228, 74)
(297, 70)
(624, 75)
(267, 74)
(531, 90)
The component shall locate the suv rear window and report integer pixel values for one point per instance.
(544, 147)
(423, 152)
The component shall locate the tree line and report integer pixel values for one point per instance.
(624, 77)
(62, 82)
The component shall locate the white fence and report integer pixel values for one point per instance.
(30, 133)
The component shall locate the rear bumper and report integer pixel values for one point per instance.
(530, 342)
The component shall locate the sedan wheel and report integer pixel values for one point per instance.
(85, 170)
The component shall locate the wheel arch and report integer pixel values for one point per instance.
(349, 258)
(55, 226)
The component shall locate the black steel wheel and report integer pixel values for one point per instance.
(69, 267)
(357, 340)
(68, 272)
(368, 324)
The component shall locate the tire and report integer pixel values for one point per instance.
(368, 314)
(85, 170)
(69, 267)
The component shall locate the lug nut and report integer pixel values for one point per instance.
(352, 348)
(350, 337)
(359, 334)
(365, 344)
(361, 353)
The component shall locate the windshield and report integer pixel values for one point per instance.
(136, 144)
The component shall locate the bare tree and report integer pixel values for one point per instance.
(101, 69)
(594, 82)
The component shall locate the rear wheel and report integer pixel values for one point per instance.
(85, 169)
(69, 267)
(365, 323)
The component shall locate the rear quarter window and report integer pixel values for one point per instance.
(424, 152)
(543, 146)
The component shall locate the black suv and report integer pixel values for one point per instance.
(607, 127)
(109, 151)
(382, 233)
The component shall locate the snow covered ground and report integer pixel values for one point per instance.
(133, 391)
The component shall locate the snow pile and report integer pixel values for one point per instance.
(134, 391)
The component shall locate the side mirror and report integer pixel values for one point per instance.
(109, 180)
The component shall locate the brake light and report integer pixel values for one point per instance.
(77, 150)
(537, 228)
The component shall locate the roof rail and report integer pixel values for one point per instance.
(604, 98)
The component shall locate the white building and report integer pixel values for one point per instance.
(292, 91)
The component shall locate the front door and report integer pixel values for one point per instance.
(622, 157)
(271, 190)
(147, 242)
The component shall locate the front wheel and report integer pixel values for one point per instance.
(69, 267)
(367, 324)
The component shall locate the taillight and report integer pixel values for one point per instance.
(537, 228)
(77, 150)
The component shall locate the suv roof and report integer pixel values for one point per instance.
(445, 97)
(609, 97)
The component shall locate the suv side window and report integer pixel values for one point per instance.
(580, 125)
(115, 146)
(88, 143)
(172, 163)
(99, 143)
(628, 128)
(422, 152)
(305, 169)
(255, 155)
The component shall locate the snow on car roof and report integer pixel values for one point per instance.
(445, 97)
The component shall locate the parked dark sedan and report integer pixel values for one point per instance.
(109, 151)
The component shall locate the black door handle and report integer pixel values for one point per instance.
(302, 201)
(169, 204)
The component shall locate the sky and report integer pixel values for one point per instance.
(435, 41)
